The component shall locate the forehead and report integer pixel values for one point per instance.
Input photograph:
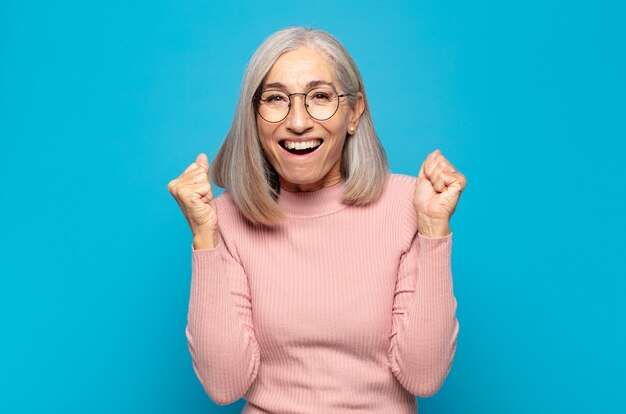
(297, 68)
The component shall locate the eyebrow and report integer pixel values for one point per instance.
(311, 84)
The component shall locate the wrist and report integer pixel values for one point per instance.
(433, 228)
(203, 241)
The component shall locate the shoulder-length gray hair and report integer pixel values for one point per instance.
(242, 168)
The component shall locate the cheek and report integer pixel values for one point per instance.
(267, 143)
(264, 137)
(339, 132)
(340, 126)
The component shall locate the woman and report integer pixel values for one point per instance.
(321, 283)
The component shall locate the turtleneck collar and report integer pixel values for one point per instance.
(312, 203)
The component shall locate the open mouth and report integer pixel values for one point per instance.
(301, 148)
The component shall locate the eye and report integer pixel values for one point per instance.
(274, 97)
(321, 96)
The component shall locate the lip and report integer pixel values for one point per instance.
(296, 156)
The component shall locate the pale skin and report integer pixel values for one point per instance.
(294, 71)
(438, 187)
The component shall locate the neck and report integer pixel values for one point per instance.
(325, 200)
(300, 188)
(333, 177)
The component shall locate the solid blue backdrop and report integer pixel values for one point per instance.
(102, 103)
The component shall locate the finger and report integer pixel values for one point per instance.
(459, 181)
(421, 174)
(202, 187)
(454, 180)
(203, 161)
(171, 185)
(438, 181)
(196, 176)
(445, 166)
(197, 192)
(431, 165)
(210, 201)
(192, 166)
(194, 171)
(435, 155)
(425, 169)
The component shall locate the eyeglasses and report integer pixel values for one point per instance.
(321, 103)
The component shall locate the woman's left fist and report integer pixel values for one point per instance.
(438, 188)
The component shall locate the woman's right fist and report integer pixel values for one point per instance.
(192, 191)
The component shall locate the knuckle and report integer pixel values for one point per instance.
(171, 186)
(198, 180)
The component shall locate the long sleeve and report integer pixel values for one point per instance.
(219, 330)
(425, 328)
(336, 309)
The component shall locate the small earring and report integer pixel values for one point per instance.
(351, 129)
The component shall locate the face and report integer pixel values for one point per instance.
(294, 71)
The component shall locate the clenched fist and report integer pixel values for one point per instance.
(437, 191)
(193, 193)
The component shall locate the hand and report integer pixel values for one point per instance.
(437, 193)
(193, 193)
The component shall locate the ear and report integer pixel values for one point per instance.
(357, 111)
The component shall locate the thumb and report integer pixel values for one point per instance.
(203, 161)
(421, 173)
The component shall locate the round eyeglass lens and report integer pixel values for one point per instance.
(273, 105)
(321, 103)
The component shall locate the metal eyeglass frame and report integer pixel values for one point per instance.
(306, 106)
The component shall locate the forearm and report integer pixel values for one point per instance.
(224, 353)
(426, 341)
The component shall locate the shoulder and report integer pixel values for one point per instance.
(231, 223)
(398, 198)
(228, 213)
(399, 188)
(225, 202)
(401, 182)
(229, 217)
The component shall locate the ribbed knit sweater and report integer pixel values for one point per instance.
(339, 309)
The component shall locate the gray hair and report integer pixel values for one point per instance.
(242, 168)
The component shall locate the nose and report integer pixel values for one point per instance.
(298, 119)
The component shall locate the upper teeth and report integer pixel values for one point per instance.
(303, 145)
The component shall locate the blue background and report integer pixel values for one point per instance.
(103, 102)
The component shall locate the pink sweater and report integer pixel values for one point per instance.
(340, 309)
